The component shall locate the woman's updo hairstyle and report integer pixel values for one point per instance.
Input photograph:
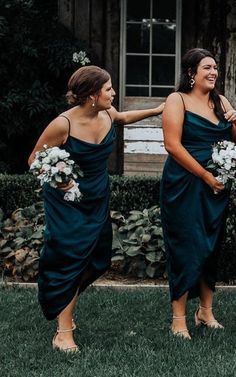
(84, 82)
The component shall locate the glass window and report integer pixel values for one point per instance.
(163, 38)
(163, 70)
(164, 10)
(137, 10)
(161, 92)
(138, 38)
(136, 91)
(137, 71)
(151, 49)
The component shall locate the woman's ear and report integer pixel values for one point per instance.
(92, 98)
(190, 73)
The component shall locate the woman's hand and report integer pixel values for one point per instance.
(215, 185)
(65, 186)
(230, 116)
(160, 108)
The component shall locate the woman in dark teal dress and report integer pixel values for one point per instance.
(78, 236)
(195, 117)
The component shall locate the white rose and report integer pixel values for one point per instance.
(68, 170)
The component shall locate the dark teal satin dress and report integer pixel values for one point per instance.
(192, 215)
(78, 236)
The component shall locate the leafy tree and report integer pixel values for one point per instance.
(36, 62)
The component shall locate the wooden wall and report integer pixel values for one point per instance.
(144, 152)
(230, 61)
(209, 24)
(97, 24)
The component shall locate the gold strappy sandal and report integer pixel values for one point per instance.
(212, 324)
(183, 333)
(73, 349)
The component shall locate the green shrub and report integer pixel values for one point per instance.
(138, 242)
(17, 191)
(227, 257)
(21, 238)
(134, 193)
(127, 193)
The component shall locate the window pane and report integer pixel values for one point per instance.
(138, 36)
(161, 92)
(163, 39)
(163, 70)
(138, 10)
(137, 91)
(164, 10)
(137, 70)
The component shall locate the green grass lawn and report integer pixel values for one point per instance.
(122, 333)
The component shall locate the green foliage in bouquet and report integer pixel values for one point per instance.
(138, 242)
(36, 62)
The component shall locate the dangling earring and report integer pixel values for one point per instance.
(191, 82)
(93, 104)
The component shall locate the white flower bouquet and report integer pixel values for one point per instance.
(223, 161)
(52, 165)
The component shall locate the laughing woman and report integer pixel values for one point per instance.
(78, 236)
(193, 217)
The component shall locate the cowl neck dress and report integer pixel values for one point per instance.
(193, 217)
(78, 236)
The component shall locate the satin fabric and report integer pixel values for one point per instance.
(78, 236)
(192, 215)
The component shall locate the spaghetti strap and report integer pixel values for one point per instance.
(222, 105)
(68, 122)
(109, 115)
(182, 100)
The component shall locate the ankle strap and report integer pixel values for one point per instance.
(205, 307)
(181, 317)
(67, 330)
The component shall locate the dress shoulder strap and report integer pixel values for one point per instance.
(182, 100)
(222, 105)
(109, 115)
(63, 116)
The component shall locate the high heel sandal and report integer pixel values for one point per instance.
(183, 333)
(213, 324)
(65, 349)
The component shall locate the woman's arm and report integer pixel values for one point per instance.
(172, 120)
(126, 117)
(55, 134)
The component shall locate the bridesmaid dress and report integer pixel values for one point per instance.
(78, 236)
(193, 217)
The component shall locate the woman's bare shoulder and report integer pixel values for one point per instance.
(227, 105)
(58, 126)
(175, 100)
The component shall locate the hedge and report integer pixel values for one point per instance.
(127, 194)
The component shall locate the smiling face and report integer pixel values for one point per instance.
(206, 75)
(105, 98)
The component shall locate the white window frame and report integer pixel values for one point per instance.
(123, 48)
